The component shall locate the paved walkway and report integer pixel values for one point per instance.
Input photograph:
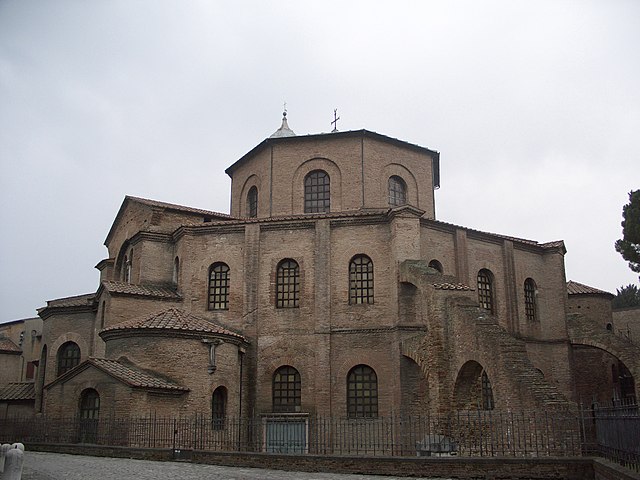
(58, 466)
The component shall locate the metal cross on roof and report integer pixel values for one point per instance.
(335, 120)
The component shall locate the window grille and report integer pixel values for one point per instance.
(360, 280)
(530, 299)
(362, 392)
(397, 191)
(219, 287)
(287, 388)
(485, 290)
(317, 192)
(252, 202)
(288, 284)
(68, 357)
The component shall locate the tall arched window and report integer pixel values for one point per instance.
(219, 286)
(487, 392)
(485, 290)
(287, 390)
(68, 357)
(219, 408)
(530, 300)
(89, 404)
(176, 270)
(128, 266)
(252, 202)
(397, 191)
(360, 280)
(287, 284)
(317, 192)
(362, 392)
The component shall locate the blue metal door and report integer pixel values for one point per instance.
(286, 436)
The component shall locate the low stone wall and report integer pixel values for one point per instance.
(606, 470)
(494, 468)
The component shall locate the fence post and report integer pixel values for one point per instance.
(3, 452)
(14, 460)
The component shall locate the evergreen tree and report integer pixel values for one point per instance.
(629, 245)
(628, 296)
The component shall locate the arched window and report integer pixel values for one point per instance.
(362, 392)
(360, 280)
(487, 392)
(287, 388)
(176, 270)
(317, 192)
(287, 284)
(102, 313)
(219, 408)
(219, 286)
(128, 265)
(68, 357)
(252, 202)
(485, 290)
(436, 265)
(89, 404)
(530, 309)
(397, 191)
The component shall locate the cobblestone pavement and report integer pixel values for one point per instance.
(57, 466)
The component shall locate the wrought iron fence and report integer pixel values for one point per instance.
(613, 432)
(468, 433)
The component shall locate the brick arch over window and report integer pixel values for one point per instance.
(286, 390)
(67, 357)
(262, 207)
(486, 290)
(297, 187)
(411, 184)
(473, 390)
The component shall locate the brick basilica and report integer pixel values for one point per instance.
(330, 289)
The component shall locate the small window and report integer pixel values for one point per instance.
(530, 300)
(31, 369)
(219, 286)
(89, 404)
(436, 265)
(287, 390)
(219, 408)
(128, 266)
(397, 191)
(362, 392)
(176, 270)
(68, 357)
(360, 280)
(317, 192)
(485, 290)
(252, 202)
(487, 392)
(288, 284)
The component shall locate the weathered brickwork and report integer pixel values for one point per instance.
(432, 349)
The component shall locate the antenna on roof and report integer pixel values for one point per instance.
(335, 120)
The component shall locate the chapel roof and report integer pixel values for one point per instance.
(8, 346)
(284, 130)
(18, 391)
(575, 288)
(75, 301)
(123, 373)
(172, 319)
(155, 291)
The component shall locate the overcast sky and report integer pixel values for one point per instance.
(534, 107)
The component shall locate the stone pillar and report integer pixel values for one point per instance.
(322, 316)
(510, 287)
(462, 262)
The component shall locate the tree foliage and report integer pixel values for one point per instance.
(629, 245)
(628, 296)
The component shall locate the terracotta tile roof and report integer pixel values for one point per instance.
(181, 208)
(7, 346)
(143, 290)
(76, 301)
(173, 319)
(452, 286)
(575, 288)
(132, 377)
(18, 391)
